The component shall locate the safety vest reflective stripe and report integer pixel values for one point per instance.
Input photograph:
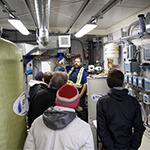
(70, 71)
(80, 74)
(74, 84)
(79, 78)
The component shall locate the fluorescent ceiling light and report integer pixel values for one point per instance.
(19, 26)
(84, 30)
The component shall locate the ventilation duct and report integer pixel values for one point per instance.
(42, 8)
(57, 42)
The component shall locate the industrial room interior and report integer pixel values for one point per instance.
(118, 28)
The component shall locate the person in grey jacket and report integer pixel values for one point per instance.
(59, 128)
(119, 120)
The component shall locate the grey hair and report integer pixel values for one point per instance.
(58, 79)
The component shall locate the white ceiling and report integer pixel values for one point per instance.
(62, 12)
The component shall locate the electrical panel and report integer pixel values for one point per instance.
(130, 79)
(126, 78)
(132, 51)
(147, 54)
(147, 84)
(132, 66)
(141, 82)
(135, 80)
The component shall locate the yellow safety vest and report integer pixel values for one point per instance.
(79, 78)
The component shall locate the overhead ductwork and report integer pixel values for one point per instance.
(42, 8)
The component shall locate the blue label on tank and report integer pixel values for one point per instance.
(29, 72)
(20, 105)
(95, 97)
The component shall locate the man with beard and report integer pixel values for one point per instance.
(77, 77)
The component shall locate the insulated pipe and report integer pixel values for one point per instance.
(132, 24)
(31, 12)
(42, 8)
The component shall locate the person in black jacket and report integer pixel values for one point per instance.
(41, 81)
(36, 84)
(45, 98)
(119, 120)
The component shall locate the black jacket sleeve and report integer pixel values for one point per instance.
(102, 127)
(138, 128)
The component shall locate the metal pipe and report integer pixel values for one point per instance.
(7, 8)
(42, 8)
(78, 14)
(31, 12)
(132, 24)
(125, 38)
(104, 9)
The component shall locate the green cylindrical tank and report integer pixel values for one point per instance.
(12, 126)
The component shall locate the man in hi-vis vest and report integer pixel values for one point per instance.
(77, 77)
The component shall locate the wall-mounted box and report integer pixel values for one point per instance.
(132, 66)
(126, 78)
(147, 84)
(130, 79)
(141, 82)
(147, 54)
(135, 80)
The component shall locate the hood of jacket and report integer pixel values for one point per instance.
(118, 93)
(58, 117)
(34, 82)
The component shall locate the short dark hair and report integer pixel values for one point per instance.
(77, 57)
(38, 79)
(115, 78)
(59, 79)
(47, 76)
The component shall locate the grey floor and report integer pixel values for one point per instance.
(145, 145)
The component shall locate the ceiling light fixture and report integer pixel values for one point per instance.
(85, 29)
(18, 25)
(91, 24)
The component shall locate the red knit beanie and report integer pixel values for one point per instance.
(68, 96)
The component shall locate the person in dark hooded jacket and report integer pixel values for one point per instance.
(45, 97)
(36, 84)
(119, 120)
(59, 128)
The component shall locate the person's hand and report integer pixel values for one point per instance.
(79, 108)
(56, 62)
(80, 95)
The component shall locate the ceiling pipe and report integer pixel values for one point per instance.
(78, 14)
(31, 12)
(92, 23)
(7, 8)
(42, 8)
(103, 10)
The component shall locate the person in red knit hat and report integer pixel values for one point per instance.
(59, 128)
